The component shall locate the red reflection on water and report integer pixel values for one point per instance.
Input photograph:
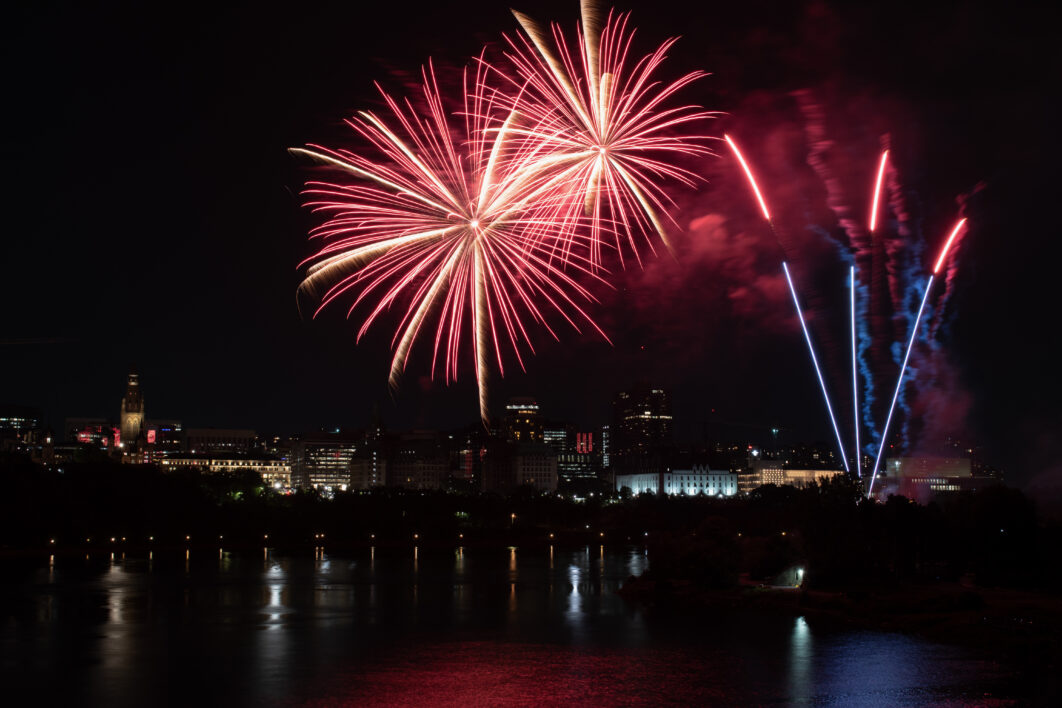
(498, 673)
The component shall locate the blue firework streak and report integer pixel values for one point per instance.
(913, 293)
(864, 340)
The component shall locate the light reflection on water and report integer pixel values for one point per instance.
(472, 625)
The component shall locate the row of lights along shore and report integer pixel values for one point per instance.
(317, 537)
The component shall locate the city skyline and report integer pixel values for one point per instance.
(203, 301)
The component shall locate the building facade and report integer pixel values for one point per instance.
(275, 473)
(690, 482)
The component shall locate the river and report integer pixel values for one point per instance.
(470, 626)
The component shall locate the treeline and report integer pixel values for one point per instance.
(840, 540)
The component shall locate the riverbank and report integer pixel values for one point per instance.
(1022, 628)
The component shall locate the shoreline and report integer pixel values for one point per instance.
(1017, 626)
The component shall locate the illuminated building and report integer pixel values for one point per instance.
(522, 421)
(556, 435)
(165, 437)
(641, 421)
(323, 460)
(576, 456)
(97, 432)
(20, 424)
(921, 478)
(274, 473)
(763, 472)
(606, 446)
(691, 482)
(131, 418)
(199, 440)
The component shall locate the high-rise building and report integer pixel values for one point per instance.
(641, 428)
(606, 447)
(522, 421)
(131, 418)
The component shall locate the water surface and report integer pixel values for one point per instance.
(423, 627)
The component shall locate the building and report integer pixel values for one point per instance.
(202, 440)
(275, 473)
(368, 471)
(763, 472)
(699, 479)
(522, 421)
(164, 438)
(323, 460)
(508, 466)
(97, 432)
(20, 424)
(131, 416)
(557, 436)
(921, 478)
(576, 455)
(606, 447)
(641, 421)
(420, 461)
(535, 465)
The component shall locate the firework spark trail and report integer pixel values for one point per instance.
(872, 224)
(896, 393)
(445, 224)
(855, 372)
(792, 290)
(815, 361)
(950, 269)
(877, 191)
(859, 250)
(596, 122)
(910, 345)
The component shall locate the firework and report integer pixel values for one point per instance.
(899, 385)
(877, 190)
(442, 224)
(595, 122)
(792, 291)
(875, 201)
(910, 345)
(751, 178)
(855, 371)
(947, 245)
(815, 361)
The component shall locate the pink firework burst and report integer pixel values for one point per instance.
(596, 123)
(445, 223)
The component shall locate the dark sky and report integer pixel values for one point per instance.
(151, 214)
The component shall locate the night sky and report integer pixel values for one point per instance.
(152, 217)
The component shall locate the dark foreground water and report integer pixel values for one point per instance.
(405, 627)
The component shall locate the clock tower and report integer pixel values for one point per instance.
(132, 416)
